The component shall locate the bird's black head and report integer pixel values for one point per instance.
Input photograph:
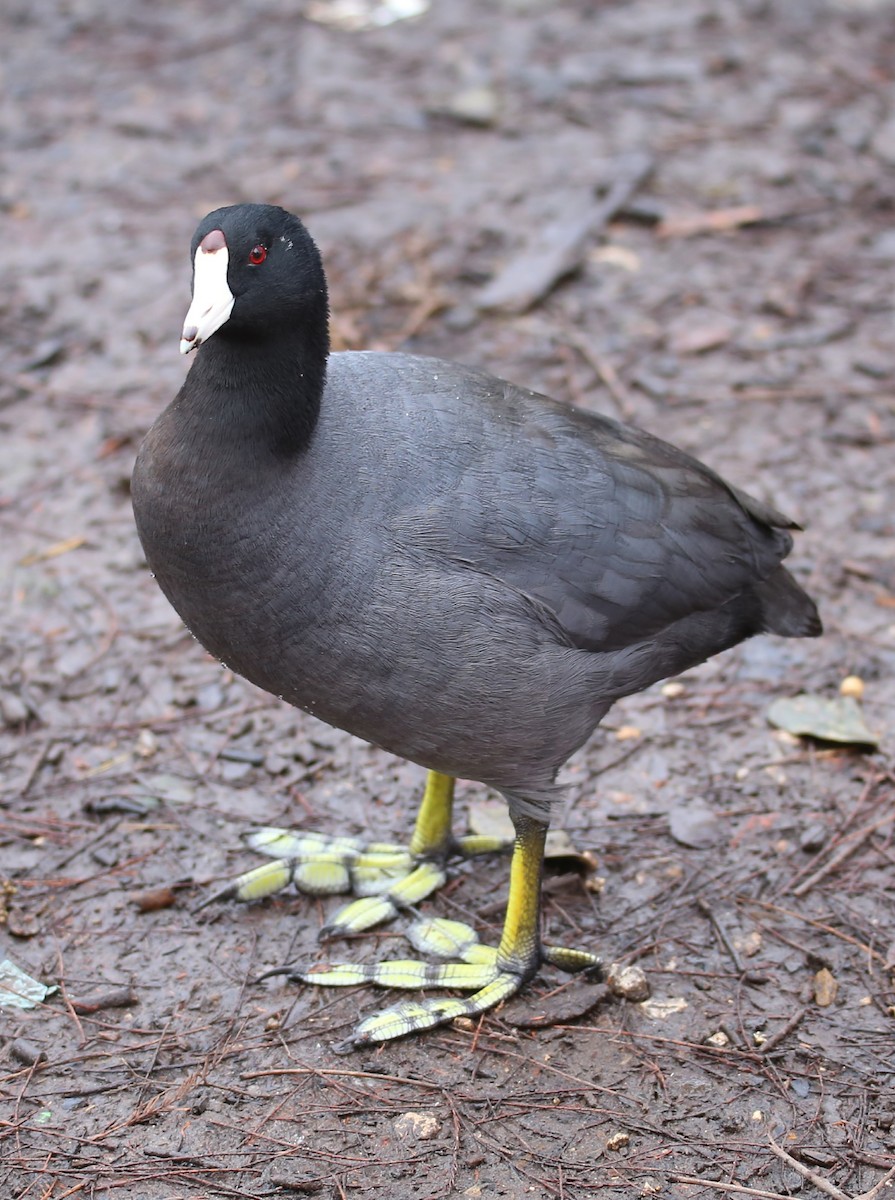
(256, 274)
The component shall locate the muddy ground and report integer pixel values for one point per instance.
(739, 303)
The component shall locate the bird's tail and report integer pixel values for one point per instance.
(785, 608)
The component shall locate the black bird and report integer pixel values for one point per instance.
(454, 568)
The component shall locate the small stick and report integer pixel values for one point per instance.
(823, 1185)
(63, 992)
(776, 1038)
(738, 1189)
(877, 1187)
(123, 997)
(845, 851)
(705, 908)
(606, 371)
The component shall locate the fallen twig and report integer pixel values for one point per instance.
(533, 273)
(845, 851)
(784, 1031)
(824, 1185)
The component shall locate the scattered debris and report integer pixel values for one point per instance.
(697, 334)
(123, 997)
(129, 121)
(477, 105)
(155, 900)
(20, 990)
(54, 550)
(660, 1009)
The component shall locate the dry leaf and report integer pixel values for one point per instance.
(836, 720)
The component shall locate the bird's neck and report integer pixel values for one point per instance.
(261, 396)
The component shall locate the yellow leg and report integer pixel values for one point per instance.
(432, 832)
(495, 976)
(519, 949)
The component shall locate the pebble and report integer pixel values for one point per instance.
(630, 983)
(27, 1052)
(13, 709)
(421, 1126)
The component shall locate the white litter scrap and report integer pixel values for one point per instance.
(18, 990)
(356, 15)
(661, 1009)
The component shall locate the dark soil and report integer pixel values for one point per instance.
(739, 303)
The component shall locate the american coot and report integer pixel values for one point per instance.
(456, 569)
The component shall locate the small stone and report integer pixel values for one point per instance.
(233, 772)
(13, 709)
(22, 924)
(27, 1052)
(275, 764)
(618, 1141)
(474, 105)
(749, 944)
(813, 838)
(694, 824)
(826, 987)
(155, 900)
(628, 982)
(674, 689)
(420, 1126)
(147, 743)
(660, 1009)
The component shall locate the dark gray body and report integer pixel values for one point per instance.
(460, 571)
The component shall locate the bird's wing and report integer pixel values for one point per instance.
(616, 533)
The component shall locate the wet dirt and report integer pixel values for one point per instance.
(737, 300)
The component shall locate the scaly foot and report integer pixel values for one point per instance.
(488, 971)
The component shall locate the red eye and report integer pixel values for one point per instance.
(258, 255)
